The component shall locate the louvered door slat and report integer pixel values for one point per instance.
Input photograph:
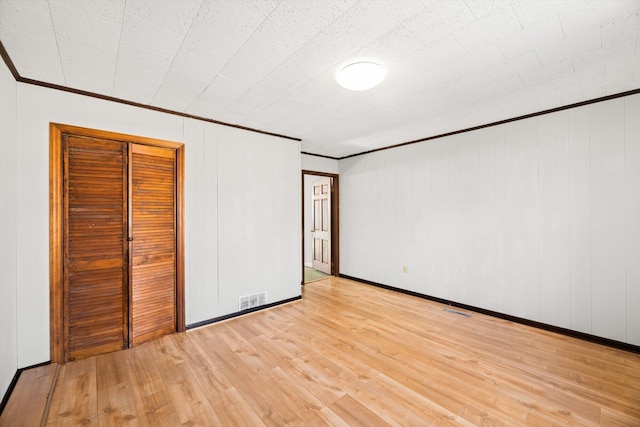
(94, 249)
(153, 251)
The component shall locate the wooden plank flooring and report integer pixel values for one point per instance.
(29, 398)
(352, 354)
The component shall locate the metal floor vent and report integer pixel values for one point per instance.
(448, 310)
(254, 300)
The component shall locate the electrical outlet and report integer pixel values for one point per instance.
(405, 269)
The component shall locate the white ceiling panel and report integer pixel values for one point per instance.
(224, 85)
(547, 73)
(325, 11)
(88, 76)
(109, 11)
(575, 45)
(235, 20)
(209, 45)
(26, 30)
(487, 30)
(191, 68)
(262, 7)
(135, 83)
(526, 40)
(271, 64)
(26, 17)
(38, 68)
(256, 50)
(394, 45)
(146, 45)
(379, 16)
(289, 28)
(578, 16)
(206, 109)
(175, 16)
(174, 98)
(279, 82)
(620, 28)
(439, 19)
(445, 49)
(87, 63)
(43, 47)
(486, 58)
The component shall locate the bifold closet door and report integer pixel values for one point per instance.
(95, 247)
(152, 234)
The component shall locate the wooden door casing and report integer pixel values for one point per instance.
(59, 310)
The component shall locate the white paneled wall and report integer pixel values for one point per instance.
(538, 218)
(242, 211)
(8, 236)
(201, 202)
(608, 219)
(258, 213)
(632, 182)
(318, 164)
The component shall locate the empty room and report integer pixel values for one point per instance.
(319, 212)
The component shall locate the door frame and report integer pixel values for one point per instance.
(56, 227)
(335, 217)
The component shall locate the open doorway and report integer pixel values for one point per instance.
(320, 213)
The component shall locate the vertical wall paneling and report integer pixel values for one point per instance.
(563, 227)
(632, 179)
(8, 234)
(515, 220)
(402, 257)
(437, 259)
(538, 218)
(453, 210)
(499, 302)
(471, 219)
(580, 220)
(318, 164)
(202, 207)
(533, 222)
(608, 190)
(549, 188)
(258, 216)
(485, 244)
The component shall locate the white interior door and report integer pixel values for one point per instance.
(321, 224)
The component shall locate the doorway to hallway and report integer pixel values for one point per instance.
(320, 234)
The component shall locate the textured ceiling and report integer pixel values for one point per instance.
(270, 64)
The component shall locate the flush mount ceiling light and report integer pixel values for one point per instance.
(360, 75)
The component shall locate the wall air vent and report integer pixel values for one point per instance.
(448, 310)
(251, 301)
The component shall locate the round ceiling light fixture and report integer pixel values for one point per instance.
(361, 75)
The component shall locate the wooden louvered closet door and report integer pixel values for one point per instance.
(95, 270)
(153, 245)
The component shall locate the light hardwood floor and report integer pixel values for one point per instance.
(352, 354)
